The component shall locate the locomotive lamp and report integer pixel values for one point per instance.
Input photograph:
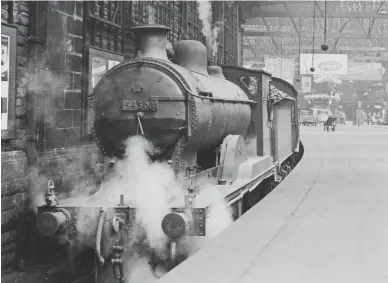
(175, 224)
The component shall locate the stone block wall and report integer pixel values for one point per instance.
(14, 192)
(14, 197)
(62, 84)
(75, 171)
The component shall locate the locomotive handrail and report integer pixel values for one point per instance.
(251, 102)
(175, 98)
(168, 68)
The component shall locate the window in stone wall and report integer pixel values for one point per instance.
(106, 25)
(99, 63)
(8, 80)
(193, 20)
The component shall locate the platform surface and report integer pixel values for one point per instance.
(327, 222)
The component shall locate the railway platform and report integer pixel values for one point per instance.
(327, 222)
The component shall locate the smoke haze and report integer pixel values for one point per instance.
(153, 189)
(205, 15)
(211, 33)
(219, 216)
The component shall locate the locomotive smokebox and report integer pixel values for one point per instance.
(140, 97)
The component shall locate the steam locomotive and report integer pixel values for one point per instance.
(227, 127)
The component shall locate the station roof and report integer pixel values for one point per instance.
(357, 28)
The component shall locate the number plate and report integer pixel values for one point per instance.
(140, 105)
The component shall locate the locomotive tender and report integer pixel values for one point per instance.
(232, 128)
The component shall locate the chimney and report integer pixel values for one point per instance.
(151, 41)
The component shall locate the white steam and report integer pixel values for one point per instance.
(211, 32)
(153, 189)
(205, 15)
(214, 46)
(140, 271)
(151, 14)
(150, 187)
(219, 215)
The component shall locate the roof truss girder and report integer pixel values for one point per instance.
(310, 14)
(256, 31)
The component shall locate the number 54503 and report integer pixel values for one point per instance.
(140, 105)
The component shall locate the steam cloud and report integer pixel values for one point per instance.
(211, 33)
(151, 14)
(219, 216)
(214, 46)
(153, 189)
(150, 187)
(205, 15)
(77, 170)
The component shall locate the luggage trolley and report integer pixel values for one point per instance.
(330, 123)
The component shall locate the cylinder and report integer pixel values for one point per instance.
(48, 223)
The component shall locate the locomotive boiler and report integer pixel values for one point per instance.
(205, 121)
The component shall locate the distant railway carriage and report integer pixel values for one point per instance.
(286, 125)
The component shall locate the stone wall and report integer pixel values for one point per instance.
(14, 195)
(62, 83)
(75, 171)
